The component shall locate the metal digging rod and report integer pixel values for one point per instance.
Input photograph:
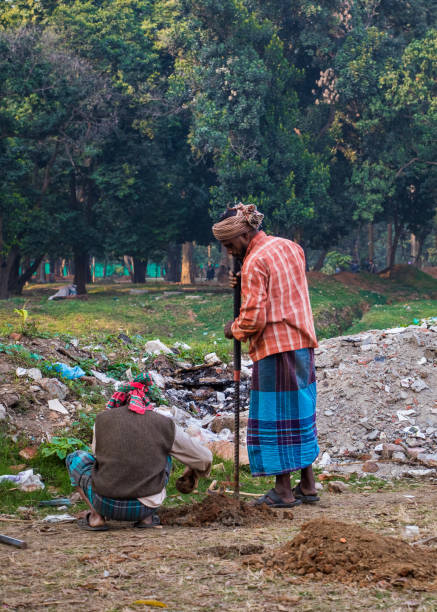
(237, 372)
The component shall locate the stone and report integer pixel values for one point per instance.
(328, 413)
(29, 452)
(54, 388)
(2, 412)
(337, 486)
(399, 456)
(373, 435)
(9, 399)
(370, 467)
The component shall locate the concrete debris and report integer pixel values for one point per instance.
(55, 388)
(382, 397)
(55, 404)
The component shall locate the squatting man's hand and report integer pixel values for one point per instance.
(188, 481)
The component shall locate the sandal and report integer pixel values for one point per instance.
(273, 500)
(306, 499)
(84, 523)
(155, 524)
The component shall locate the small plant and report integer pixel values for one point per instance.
(82, 427)
(62, 446)
(28, 328)
(156, 396)
(23, 314)
(118, 369)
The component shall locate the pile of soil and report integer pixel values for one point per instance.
(333, 551)
(218, 509)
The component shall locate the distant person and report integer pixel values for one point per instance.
(125, 477)
(210, 272)
(371, 267)
(276, 318)
(355, 266)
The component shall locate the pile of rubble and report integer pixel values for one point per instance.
(377, 397)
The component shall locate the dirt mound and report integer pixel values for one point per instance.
(330, 550)
(218, 509)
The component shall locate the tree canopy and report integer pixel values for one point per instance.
(128, 125)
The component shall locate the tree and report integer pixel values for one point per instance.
(53, 106)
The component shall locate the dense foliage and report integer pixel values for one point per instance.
(127, 125)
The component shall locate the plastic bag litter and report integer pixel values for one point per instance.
(67, 371)
(26, 480)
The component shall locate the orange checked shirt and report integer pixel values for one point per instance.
(275, 312)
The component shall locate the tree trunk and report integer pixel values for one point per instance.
(173, 274)
(14, 275)
(105, 269)
(140, 268)
(414, 249)
(394, 247)
(419, 247)
(371, 242)
(42, 272)
(6, 263)
(81, 271)
(129, 263)
(321, 260)
(389, 242)
(187, 274)
(224, 267)
(16, 284)
(356, 253)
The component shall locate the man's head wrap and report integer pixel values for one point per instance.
(246, 219)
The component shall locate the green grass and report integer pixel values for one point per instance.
(170, 313)
(394, 315)
(54, 475)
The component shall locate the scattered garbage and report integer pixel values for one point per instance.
(58, 501)
(59, 518)
(156, 347)
(25, 480)
(69, 372)
(104, 378)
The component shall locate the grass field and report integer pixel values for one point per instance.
(196, 315)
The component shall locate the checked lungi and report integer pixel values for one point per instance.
(281, 432)
(80, 465)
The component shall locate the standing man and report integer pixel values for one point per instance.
(276, 318)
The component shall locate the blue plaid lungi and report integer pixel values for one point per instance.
(281, 432)
(80, 465)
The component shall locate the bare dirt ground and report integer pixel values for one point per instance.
(202, 568)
